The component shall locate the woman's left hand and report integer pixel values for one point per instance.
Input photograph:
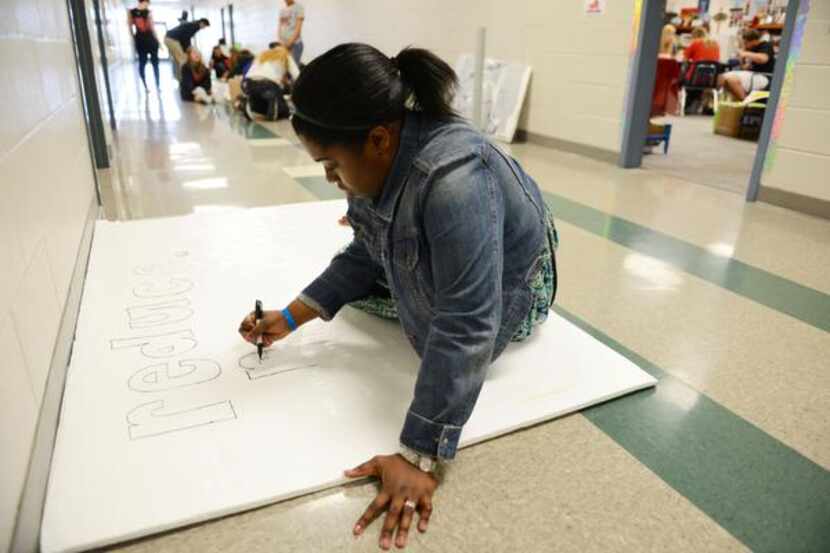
(404, 490)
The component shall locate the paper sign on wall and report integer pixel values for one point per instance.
(595, 6)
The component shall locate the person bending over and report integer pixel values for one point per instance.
(178, 40)
(264, 84)
(452, 239)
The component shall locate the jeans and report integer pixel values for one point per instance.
(297, 51)
(266, 98)
(153, 55)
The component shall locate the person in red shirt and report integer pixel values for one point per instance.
(140, 22)
(701, 49)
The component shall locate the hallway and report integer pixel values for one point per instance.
(702, 290)
(688, 339)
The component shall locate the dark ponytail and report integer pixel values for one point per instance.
(341, 95)
(431, 81)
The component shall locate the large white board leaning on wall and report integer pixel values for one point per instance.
(504, 86)
(168, 418)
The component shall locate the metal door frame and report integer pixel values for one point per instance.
(641, 86)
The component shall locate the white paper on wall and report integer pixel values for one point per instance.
(504, 87)
(595, 7)
(168, 418)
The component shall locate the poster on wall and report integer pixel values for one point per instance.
(595, 6)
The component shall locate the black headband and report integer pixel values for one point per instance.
(397, 88)
(318, 123)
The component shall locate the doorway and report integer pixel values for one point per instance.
(683, 122)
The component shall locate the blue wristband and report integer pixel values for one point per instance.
(292, 324)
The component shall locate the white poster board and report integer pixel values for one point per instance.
(168, 418)
(504, 87)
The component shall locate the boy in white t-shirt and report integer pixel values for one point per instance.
(292, 17)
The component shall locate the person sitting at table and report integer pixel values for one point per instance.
(667, 42)
(758, 64)
(701, 49)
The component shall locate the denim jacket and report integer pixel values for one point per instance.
(457, 233)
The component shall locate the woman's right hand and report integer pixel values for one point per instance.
(271, 327)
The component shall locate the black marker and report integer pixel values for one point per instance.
(258, 316)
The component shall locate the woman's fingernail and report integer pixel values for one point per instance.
(384, 543)
(357, 529)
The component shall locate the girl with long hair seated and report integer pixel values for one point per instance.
(219, 62)
(195, 83)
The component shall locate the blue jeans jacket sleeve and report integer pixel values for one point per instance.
(463, 221)
(350, 276)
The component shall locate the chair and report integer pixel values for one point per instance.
(655, 136)
(702, 76)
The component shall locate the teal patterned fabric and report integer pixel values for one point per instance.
(543, 286)
(384, 308)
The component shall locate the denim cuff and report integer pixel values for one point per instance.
(323, 298)
(437, 440)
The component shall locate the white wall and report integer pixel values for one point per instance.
(580, 61)
(117, 39)
(46, 186)
(802, 162)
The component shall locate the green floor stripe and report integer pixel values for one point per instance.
(786, 296)
(794, 299)
(763, 492)
(767, 495)
(246, 128)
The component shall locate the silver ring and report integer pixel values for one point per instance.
(409, 504)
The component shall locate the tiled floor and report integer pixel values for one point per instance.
(726, 302)
(696, 151)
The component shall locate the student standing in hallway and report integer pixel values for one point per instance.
(292, 17)
(141, 25)
(178, 40)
